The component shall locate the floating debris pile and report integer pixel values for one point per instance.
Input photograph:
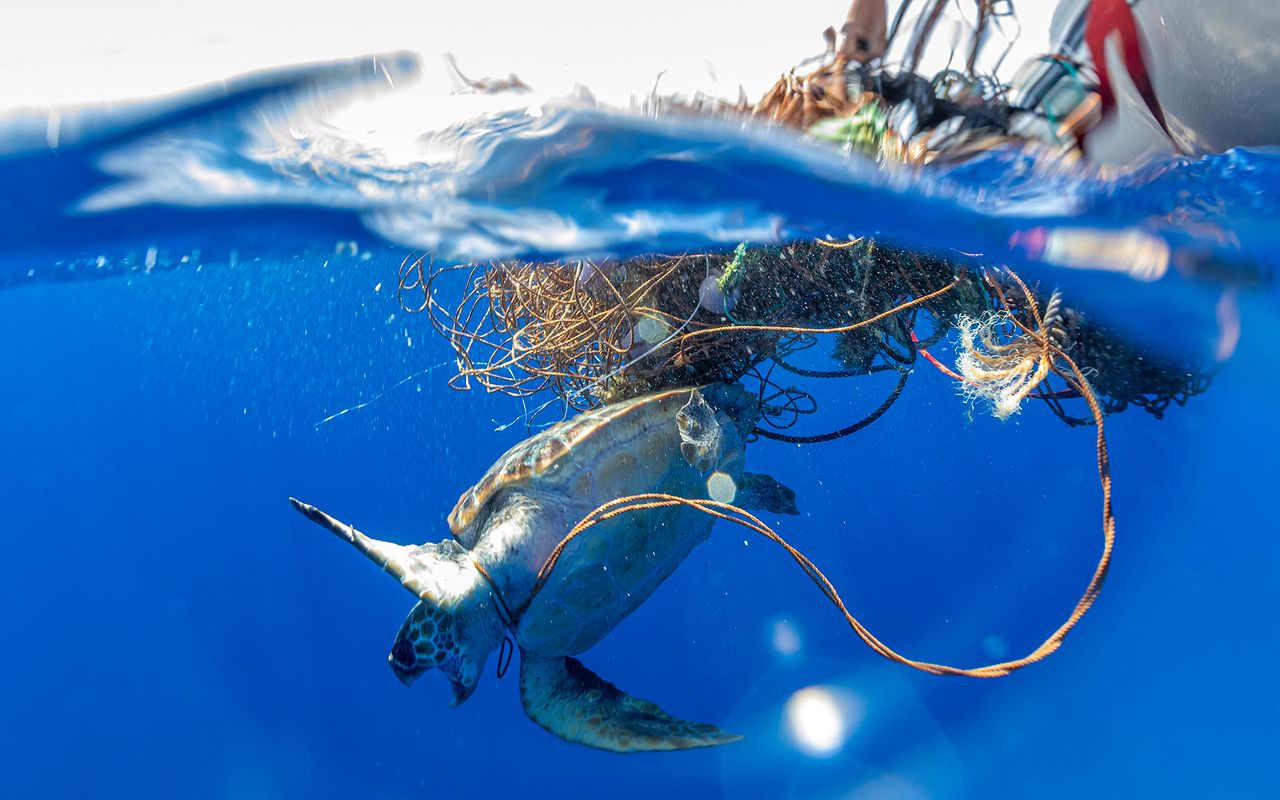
(585, 333)
(870, 92)
(575, 335)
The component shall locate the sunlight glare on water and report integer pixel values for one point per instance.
(820, 719)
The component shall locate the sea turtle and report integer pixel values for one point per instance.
(479, 583)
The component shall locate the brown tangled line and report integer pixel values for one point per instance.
(592, 333)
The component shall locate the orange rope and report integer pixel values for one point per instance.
(841, 245)
(853, 326)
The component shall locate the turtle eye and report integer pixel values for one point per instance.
(402, 652)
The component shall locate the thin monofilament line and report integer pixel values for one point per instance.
(381, 394)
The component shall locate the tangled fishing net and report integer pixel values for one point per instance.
(579, 334)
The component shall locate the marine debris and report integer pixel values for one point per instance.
(586, 333)
(869, 93)
(590, 334)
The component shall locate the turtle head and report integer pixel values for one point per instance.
(457, 643)
(455, 624)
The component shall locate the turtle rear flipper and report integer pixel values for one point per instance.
(575, 704)
(765, 493)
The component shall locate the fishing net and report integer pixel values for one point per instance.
(590, 333)
(574, 335)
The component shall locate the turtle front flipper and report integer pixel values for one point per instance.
(765, 493)
(575, 704)
(442, 573)
(455, 624)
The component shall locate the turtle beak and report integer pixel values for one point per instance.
(404, 676)
(402, 663)
(461, 691)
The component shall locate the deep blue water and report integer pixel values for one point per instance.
(175, 629)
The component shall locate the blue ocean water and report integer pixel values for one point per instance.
(191, 289)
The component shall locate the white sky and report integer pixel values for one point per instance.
(55, 52)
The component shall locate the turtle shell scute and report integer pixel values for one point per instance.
(542, 456)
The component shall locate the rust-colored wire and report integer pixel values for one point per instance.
(521, 328)
(585, 333)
